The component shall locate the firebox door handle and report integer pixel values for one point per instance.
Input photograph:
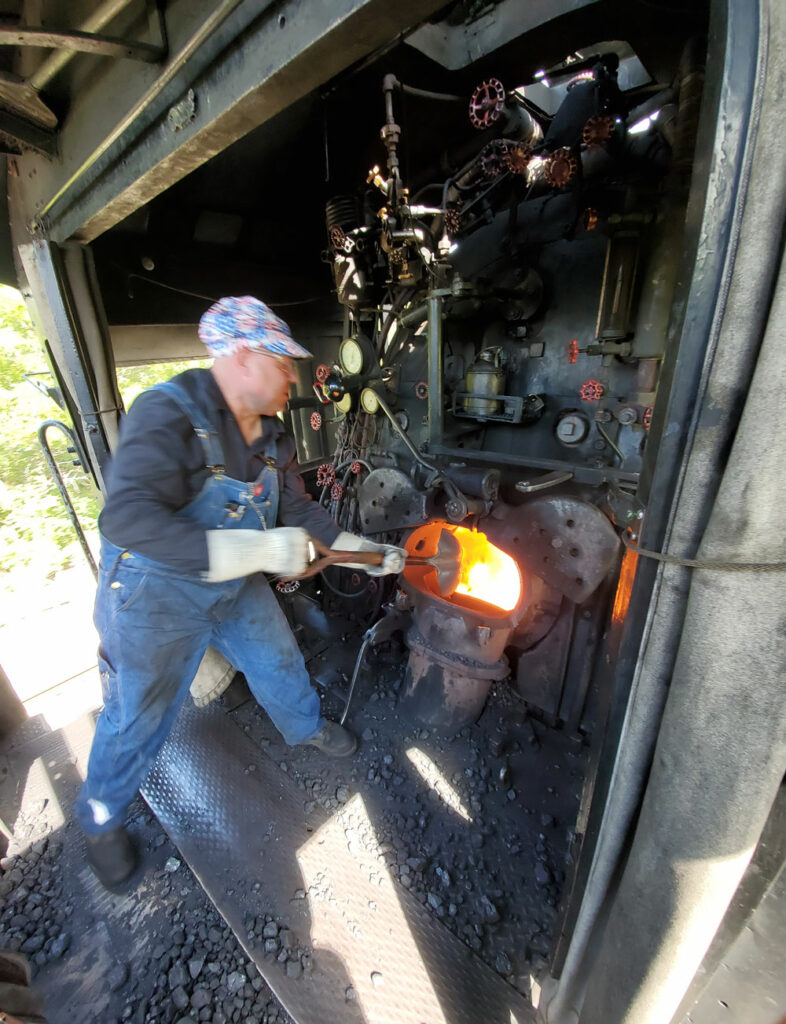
(542, 483)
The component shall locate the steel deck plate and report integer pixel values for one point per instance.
(376, 954)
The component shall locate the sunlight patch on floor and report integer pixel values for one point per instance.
(38, 786)
(61, 705)
(356, 916)
(435, 780)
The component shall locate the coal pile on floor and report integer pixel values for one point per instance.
(160, 954)
(478, 826)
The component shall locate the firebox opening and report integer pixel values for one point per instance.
(490, 581)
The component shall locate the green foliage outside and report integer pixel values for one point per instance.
(36, 535)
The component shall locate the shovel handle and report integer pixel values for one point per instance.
(327, 556)
(370, 558)
(358, 557)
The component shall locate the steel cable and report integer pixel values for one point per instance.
(717, 565)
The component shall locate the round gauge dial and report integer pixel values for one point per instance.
(369, 401)
(351, 356)
(345, 405)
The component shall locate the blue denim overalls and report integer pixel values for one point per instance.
(155, 624)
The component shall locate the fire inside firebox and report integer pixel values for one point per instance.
(487, 573)
(484, 573)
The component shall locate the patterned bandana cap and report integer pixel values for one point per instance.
(234, 323)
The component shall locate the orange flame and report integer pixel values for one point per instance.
(625, 585)
(487, 573)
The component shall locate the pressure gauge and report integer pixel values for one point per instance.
(345, 405)
(369, 401)
(350, 355)
(355, 355)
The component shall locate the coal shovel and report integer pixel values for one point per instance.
(446, 562)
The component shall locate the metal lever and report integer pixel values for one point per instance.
(382, 629)
(542, 483)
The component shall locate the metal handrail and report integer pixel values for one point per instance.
(54, 469)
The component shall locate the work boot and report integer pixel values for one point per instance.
(335, 740)
(112, 856)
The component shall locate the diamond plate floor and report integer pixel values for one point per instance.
(377, 955)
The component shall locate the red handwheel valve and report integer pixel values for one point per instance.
(591, 391)
(326, 474)
(487, 104)
(287, 586)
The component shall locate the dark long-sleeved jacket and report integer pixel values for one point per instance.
(159, 466)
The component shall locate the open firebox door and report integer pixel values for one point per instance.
(509, 253)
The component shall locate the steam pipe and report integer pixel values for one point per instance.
(403, 435)
(454, 492)
(435, 419)
(94, 23)
(415, 316)
(398, 303)
(390, 83)
(391, 132)
(427, 94)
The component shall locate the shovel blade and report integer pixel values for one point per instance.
(447, 563)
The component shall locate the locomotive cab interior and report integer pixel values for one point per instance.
(486, 228)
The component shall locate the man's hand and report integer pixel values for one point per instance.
(234, 553)
(393, 558)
